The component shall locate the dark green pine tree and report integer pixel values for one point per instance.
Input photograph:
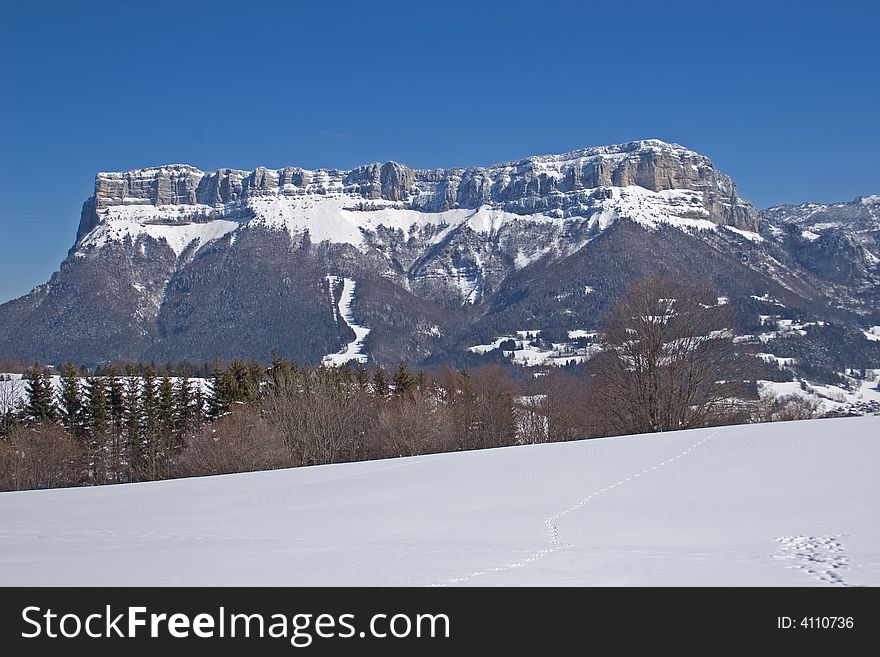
(380, 384)
(152, 448)
(116, 398)
(98, 413)
(168, 437)
(184, 410)
(71, 402)
(251, 389)
(134, 465)
(118, 443)
(403, 381)
(222, 391)
(198, 408)
(40, 395)
(238, 383)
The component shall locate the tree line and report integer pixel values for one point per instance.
(670, 361)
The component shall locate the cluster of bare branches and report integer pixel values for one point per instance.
(327, 415)
(240, 441)
(670, 361)
(42, 456)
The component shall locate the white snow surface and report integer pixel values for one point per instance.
(170, 223)
(354, 350)
(748, 234)
(784, 504)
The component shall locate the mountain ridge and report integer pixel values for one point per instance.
(173, 262)
(652, 164)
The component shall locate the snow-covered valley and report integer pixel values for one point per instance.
(782, 504)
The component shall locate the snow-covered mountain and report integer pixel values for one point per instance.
(460, 231)
(781, 504)
(840, 241)
(175, 263)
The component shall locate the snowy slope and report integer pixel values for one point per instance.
(170, 223)
(354, 350)
(786, 504)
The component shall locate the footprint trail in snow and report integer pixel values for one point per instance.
(820, 557)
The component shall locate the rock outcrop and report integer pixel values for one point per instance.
(550, 183)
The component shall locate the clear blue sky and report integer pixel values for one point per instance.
(782, 96)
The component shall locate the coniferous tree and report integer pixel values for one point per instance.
(150, 427)
(71, 407)
(344, 374)
(380, 384)
(403, 381)
(245, 381)
(116, 398)
(98, 414)
(279, 373)
(133, 424)
(222, 391)
(117, 446)
(463, 410)
(198, 408)
(184, 403)
(40, 397)
(238, 383)
(167, 425)
(254, 379)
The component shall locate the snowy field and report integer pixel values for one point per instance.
(785, 504)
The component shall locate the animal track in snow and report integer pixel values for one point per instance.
(552, 522)
(821, 557)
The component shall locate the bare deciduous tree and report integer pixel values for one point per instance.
(559, 411)
(478, 408)
(411, 425)
(42, 456)
(670, 362)
(321, 414)
(240, 441)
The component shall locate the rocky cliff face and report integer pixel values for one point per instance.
(560, 184)
(175, 263)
